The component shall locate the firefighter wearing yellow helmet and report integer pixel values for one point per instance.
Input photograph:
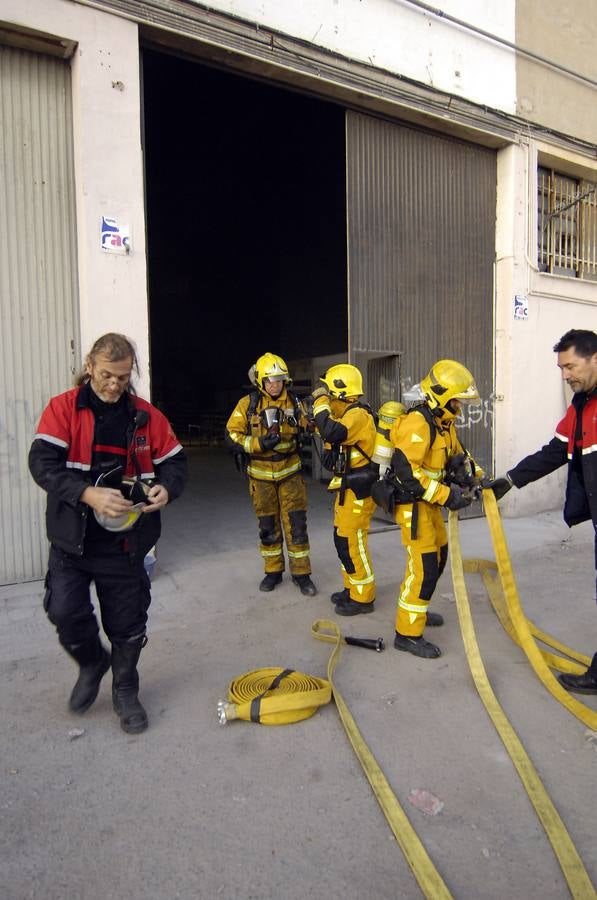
(424, 441)
(264, 433)
(347, 428)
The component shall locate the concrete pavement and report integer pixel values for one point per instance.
(192, 810)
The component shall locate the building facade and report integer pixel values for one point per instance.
(470, 163)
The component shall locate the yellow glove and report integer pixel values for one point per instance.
(321, 391)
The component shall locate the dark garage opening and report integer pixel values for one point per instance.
(246, 219)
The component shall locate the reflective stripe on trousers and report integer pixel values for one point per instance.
(425, 561)
(351, 529)
(281, 509)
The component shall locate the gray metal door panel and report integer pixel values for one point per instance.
(38, 290)
(421, 239)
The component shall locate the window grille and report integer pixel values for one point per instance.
(567, 225)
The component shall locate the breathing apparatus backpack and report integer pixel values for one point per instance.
(389, 491)
(337, 460)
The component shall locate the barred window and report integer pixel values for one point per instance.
(567, 225)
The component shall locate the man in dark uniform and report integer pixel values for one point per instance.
(575, 443)
(109, 462)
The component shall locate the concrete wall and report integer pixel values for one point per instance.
(566, 33)
(401, 38)
(108, 162)
(531, 397)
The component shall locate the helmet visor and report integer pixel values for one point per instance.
(470, 395)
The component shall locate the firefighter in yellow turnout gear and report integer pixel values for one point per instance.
(264, 432)
(347, 428)
(424, 441)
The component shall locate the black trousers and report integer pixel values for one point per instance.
(123, 592)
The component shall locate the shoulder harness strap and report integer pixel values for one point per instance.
(253, 401)
(429, 418)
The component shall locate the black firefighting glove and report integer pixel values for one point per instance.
(499, 486)
(241, 459)
(457, 499)
(268, 442)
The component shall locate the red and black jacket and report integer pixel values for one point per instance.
(60, 460)
(575, 442)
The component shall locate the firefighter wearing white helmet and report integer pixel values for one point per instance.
(347, 427)
(264, 433)
(424, 440)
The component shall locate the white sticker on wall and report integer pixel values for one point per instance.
(521, 307)
(115, 236)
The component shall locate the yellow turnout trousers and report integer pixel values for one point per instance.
(281, 507)
(351, 538)
(426, 557)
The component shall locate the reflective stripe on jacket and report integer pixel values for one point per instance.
(270, 465)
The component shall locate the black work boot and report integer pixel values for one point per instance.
(581, 684)
(340, 596)
(434, 620)
(271, 580)
(94, 662)
(348, 607)
(125, 685)
(418, 646)
(305, 585)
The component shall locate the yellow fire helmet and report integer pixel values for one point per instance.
(448, 380)
(269, 366)
(389, 411)
(132, 489)
(343, 381)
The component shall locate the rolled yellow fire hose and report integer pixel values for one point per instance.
(274, 696)
(570, 862)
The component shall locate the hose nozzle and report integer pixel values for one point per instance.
(370, 643)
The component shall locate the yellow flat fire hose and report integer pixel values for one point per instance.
(429, 879)
(275, 696)
(570, 862)
(522, 628)
(486, 568)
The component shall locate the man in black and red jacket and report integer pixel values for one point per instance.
(575, 443)
(109, 462)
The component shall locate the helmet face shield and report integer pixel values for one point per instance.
(269, 368)
(131, 489)
(120, 523)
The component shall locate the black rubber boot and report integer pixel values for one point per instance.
(125, 685)
(581, 684)
(271, 580)
(305, 585)
(348, 607)
(418, 646)
(340, 596)
(434, 620)
(94, 662)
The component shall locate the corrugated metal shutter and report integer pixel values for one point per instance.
(38, 288)
(421, 247)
